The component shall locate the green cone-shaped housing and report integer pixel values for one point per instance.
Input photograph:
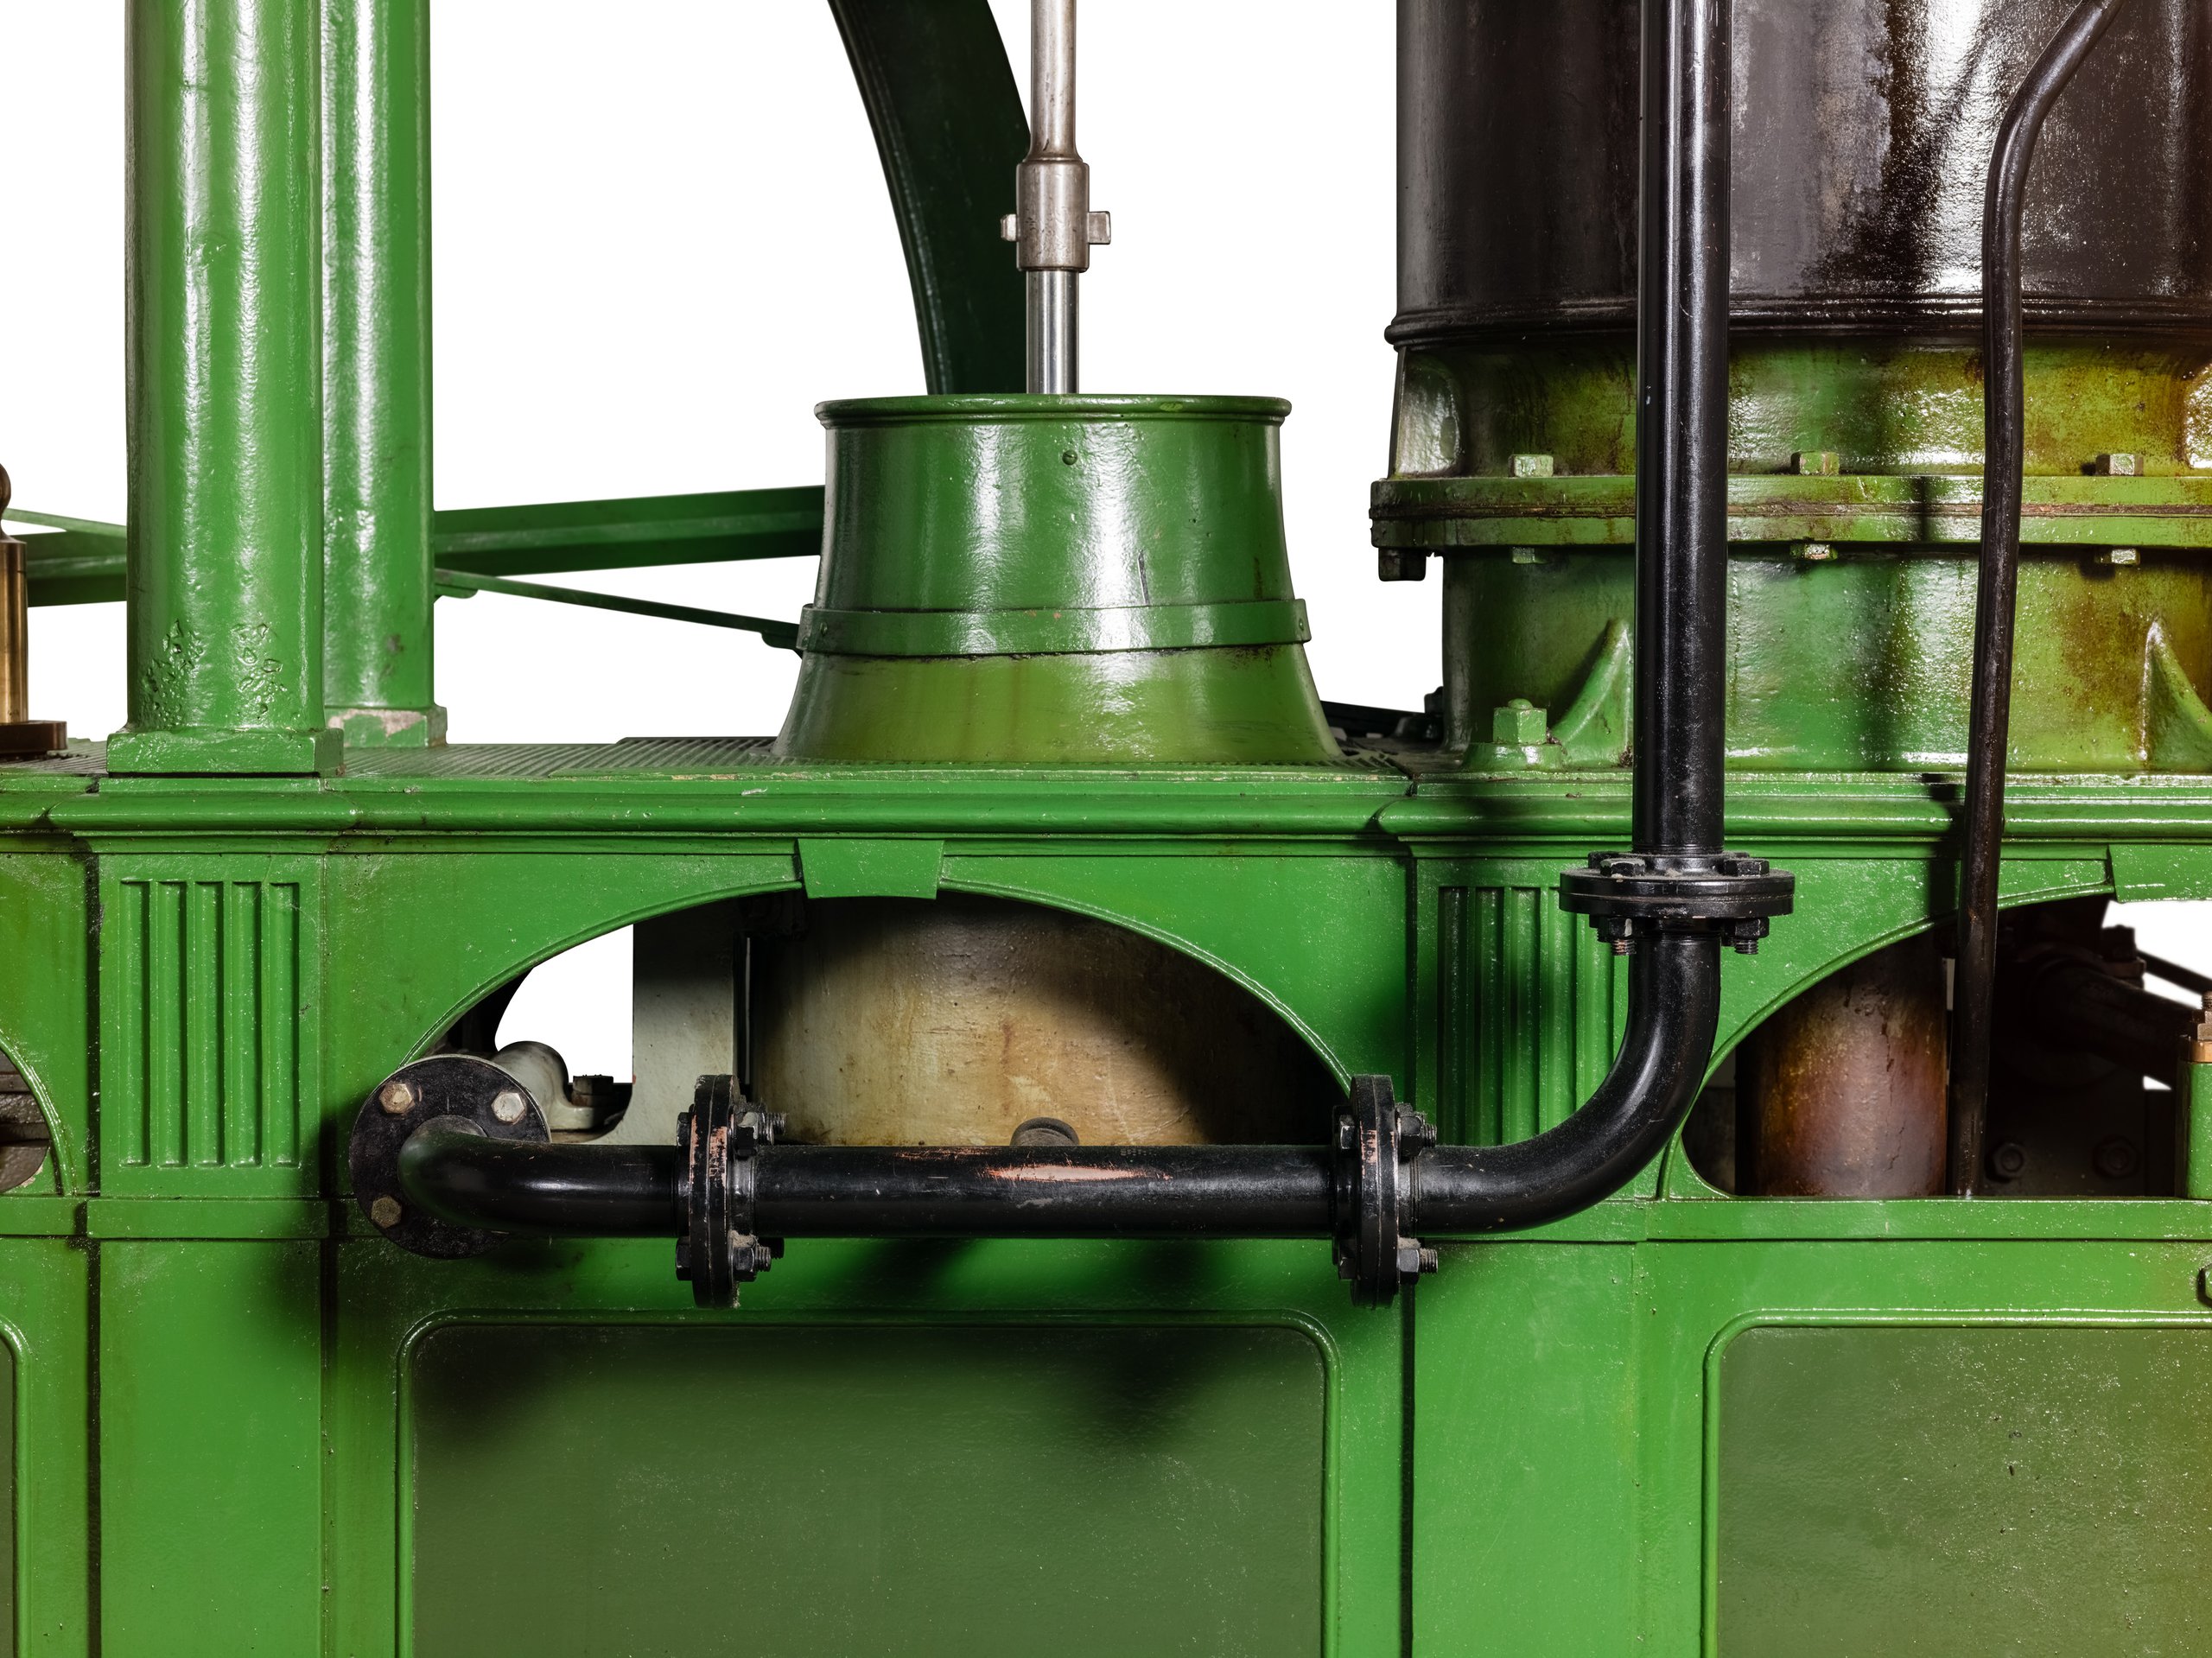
(1081, 579)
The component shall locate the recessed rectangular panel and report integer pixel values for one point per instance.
(2032, 1493)
(648, 1490)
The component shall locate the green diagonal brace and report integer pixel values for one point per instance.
(82, 563)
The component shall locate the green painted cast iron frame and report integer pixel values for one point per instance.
(210, 1358)
(1399, 918)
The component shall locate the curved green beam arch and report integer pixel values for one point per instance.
(947, 114)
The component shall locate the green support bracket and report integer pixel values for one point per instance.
(82, 563)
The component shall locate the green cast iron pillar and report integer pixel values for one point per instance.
(225, 392)
(377, 641)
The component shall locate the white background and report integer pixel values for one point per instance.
(662, 236)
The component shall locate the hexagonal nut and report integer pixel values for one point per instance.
(1531, 465)
(1821, 463)
(1519, 724)
(1401, 565)
(2119, 463)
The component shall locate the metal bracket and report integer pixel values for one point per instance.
(1376, 1139)
(457, 1090)
(1628, 895)
(715, 1140)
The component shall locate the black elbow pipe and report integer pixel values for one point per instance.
(728, 1191)
(2003, 462)
(1674, 1007)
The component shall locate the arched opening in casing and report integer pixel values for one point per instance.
(960, 1019)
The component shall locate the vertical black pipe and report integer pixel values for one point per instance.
(2004, 445)
(1682, 430)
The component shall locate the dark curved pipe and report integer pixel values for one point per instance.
(2003, 445)
(1291, 1191)
(1674, 1005)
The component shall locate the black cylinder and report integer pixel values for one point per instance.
(1862, 134)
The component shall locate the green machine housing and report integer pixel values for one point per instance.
(1057, 844)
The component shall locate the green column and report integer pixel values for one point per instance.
(225, 392)
(376, 648)
(2196, 1129)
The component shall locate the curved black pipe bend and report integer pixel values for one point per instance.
(471, 1179)
(1384, 1181)
(1674, 1010)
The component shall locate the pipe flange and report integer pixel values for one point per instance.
(1631, 895)
(1376, 1139)
(716, 1141)
(455, 1090)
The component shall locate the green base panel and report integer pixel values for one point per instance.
(243, 1422)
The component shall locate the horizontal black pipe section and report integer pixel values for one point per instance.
(1146, 1191)
(515, 1185)
(1143, 1192)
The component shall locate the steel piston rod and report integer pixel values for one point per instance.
(1052, 225)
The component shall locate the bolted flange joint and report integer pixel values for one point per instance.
(715, 1143)
(1632, 895)
(1376, 1141)
(460, 1091)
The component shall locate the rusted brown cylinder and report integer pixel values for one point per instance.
(1842, 1089)
(954, 1020)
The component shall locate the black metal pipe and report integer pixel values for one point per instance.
(1159, 1192)
(1249, 1192)
(2004, 444)
(1674, 1005)
(519, 1186)
(1681, 431)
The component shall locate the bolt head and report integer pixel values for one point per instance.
(1816, 552)
(2120, 464)
(2204, 1285)
(397, 1097)
(2008, 1161)
(386, 1212)
(1519, 724)
(1531, 465)
(1824, 463)
(1010, 228)
(2122, 555)
(508, 1106)
(2115, 1158)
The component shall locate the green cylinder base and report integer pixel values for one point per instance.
(1247, 706)
(1098, 580)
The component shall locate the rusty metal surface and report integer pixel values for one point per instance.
(953, 1021)
(1842, 1089)
(1862, 131)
